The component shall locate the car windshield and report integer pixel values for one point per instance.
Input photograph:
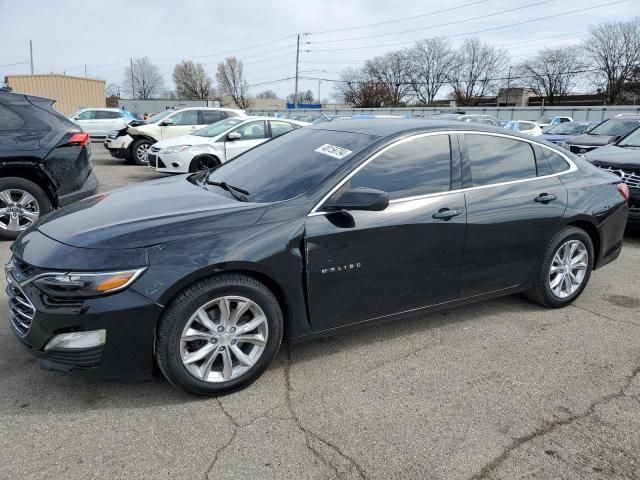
(615, 127)
(217, 128)
(159, 116)
(544, 120)
(291, 164)
(631, 140)
(567, 129)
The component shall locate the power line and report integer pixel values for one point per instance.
(14, 64)
(395, 20)
(434, 26)
(483, 30)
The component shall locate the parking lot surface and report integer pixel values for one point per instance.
(502, 389)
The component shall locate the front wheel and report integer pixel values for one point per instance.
(140, 152)
(203, 162)
(565, 269)
(219, 335)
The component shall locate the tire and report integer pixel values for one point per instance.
(182, 336)
(203, 162)
(21, 201)
(546, 290)
(139, 151)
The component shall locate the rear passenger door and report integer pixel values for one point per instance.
(514, 206)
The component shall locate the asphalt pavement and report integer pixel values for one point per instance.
(503, 389)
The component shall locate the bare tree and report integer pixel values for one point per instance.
(145, 81)
(360, 91)
(303, 97)
(476, 71)
(552, 73)
(614, 47)
(231, 82)
(112, 90)
(432, 62)
(191, 80)
(267, 94)
(393, 71)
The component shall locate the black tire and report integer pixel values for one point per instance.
(186, 303)
(135, 156)
(20, 184)
(203, 162)
(541, 291)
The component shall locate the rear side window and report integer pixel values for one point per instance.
(556, 161)
(416, 167)
(9, 120)
(499, 159)
(105, 115)
(211, 116)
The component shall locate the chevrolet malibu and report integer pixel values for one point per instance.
(331, 226)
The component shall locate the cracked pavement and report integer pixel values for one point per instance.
(497, 390)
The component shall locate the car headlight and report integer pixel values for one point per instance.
(84, 284)
(175, 149)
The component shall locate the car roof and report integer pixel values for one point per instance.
(388, 127)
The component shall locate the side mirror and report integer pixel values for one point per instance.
(359, 199)
(167, 122)
(234, 136)
(76, 118)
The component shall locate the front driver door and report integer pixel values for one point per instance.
(363, 265)
(251, 134)
(183, 123)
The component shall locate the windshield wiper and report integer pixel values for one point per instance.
(231, 189)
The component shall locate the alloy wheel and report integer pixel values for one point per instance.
(18, 209)
(142, 153)
(568, 268)
(223, 339)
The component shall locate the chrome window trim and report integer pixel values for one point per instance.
(572, 167)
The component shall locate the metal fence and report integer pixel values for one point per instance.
(593, 114)
(151, 106)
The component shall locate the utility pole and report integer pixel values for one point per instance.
(508, 84)
(31, 55)
(133, 90)
(319, 82)
(295, 98)
(85, 70)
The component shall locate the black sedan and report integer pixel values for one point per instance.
(328, 227)
(623, 159)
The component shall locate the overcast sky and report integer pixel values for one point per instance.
(103, 35)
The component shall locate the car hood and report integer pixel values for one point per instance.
(557, 138)
(148, 214)
(182, 140)
(593, 140)
(615, 156)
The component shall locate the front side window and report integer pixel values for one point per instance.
(188, 117)
(217, 128)
(279, 128)
(251, 131)
(416, 167)
(498, 159)
(86, 115)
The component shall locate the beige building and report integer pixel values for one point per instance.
(70, 93)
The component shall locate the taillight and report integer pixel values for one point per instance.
(74, 139)
(624, 191)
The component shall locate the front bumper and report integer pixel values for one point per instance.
(90, 187)
(128, 318)
(118, 147)
(170, 163)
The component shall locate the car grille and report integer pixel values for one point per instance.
(630, 177)
(21, 310)
(152, 160)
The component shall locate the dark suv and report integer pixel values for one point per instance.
(623, 159)
(609, 131)
(45, 161)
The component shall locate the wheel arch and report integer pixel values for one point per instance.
(591, 230)
(212, 156)
(247, 269)
(31, 172)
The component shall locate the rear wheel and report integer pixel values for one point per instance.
(22, 202)
(219, 335)
(203, 162)
(140, 152)
(565, 269)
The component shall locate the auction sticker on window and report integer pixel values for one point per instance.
(333, 151)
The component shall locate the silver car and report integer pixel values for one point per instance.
(98, 122)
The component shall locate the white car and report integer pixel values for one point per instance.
(98, 122)
(133, 142)
(217, 143)
(523, 126)
(546, 122)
